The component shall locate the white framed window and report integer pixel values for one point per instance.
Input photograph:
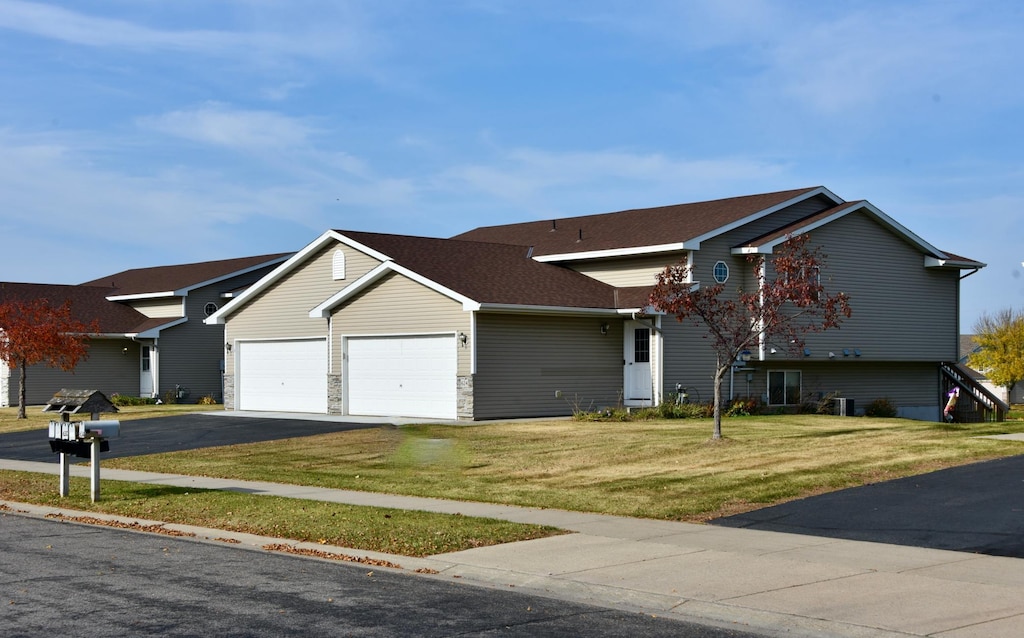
(721, 272)
(784, 387)
(338, 265)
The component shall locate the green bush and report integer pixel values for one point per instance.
(126, 400)
(883, 408)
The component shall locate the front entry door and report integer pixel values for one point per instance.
(146, 371)
(637, 355)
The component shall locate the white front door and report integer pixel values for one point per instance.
(637, 356)
(145, 371)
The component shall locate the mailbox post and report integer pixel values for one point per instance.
(85, 439)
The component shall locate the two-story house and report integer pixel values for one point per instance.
(544, 317)
(152, 340)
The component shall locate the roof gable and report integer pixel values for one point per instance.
(179, 279)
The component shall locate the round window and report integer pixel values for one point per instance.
(721, 272)
(210, 308)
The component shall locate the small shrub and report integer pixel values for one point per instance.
(882, 408)
(207, 400)
(748, 406)
(127, 400)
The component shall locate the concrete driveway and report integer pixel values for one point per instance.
(975, 508)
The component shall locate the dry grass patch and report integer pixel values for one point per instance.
(657, 469)
(400, 532)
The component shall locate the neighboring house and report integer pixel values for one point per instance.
(545, 317)
(152, 339)
(969, 346)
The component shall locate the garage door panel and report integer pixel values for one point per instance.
(403, 376)
(283, 376)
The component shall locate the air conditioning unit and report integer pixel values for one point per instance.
(843, 407)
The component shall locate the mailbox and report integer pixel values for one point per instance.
(77, 437)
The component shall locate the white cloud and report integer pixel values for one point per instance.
(220, 125)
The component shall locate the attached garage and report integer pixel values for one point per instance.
(282, 376)
(402, 376)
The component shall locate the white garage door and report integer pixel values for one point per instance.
(282, 376)
(403, 376)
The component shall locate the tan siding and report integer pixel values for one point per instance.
(158, 308)
(282, 311)
(397, 305)
(108, 369)
(522, 361)
(625, 272)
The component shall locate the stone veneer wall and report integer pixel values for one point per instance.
(335, 394)
(229, 392)
(465, 398)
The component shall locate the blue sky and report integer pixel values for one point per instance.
(141, 133)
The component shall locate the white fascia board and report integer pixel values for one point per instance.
(202, 284)
(323, 310)
(276, 275)
(934, 262)
(885, 220)
(821, 190)
(617, 252)
(144, 295)
(552, 310)
(154, 333)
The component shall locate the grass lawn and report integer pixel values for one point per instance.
(655, 469)
(406, 533)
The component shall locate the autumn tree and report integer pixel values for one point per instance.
(35, 332)
(789, 302)
(1000, 338)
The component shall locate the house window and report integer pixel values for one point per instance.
(338, 265)
(721, 272)
(642, 345)
(145, 358)
(783, 387)
(210, 308)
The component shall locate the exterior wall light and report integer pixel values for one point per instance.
(604, 328)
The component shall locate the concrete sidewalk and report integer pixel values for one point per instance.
(776, 583)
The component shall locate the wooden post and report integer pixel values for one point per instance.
(65, 468)
(95, 467)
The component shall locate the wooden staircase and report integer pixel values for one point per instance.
(976, 404)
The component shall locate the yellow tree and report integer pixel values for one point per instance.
(1001, 340)
(34, 332)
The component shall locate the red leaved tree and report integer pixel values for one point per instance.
(34, 332)
(785, 306)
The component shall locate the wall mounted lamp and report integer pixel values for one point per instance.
(463, 338)
(604, 328)
(227, 346)
(124, 350)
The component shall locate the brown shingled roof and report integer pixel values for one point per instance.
(630, 228)
(490, 273)
(88, 303)
(140, 281)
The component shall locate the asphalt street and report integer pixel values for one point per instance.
(976, 508)
(179, 432)
(64, 579)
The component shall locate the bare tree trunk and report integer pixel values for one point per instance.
(21, 391)
(719, 373)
